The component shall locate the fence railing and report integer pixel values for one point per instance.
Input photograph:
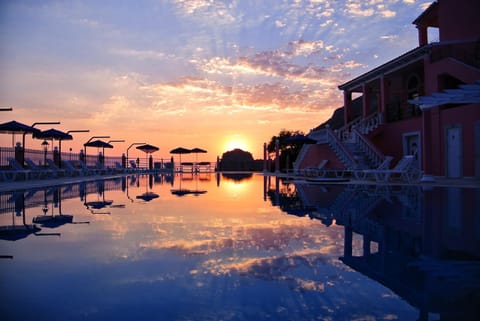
(39, 157)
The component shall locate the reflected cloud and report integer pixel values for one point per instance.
(281, 269)
(252, 250)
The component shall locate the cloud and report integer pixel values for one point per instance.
(208, 12)
(389, 38)
(424, 5)
(388, 13)
(274, 64)
(357, 8)
(139, 54)
(280, 24)
(214, 97)
(305, 48)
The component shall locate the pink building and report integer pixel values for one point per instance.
(425, 102)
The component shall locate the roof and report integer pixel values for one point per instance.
(388, 67)
(397, 63)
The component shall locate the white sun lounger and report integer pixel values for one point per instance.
(363, 174)
(405, 170)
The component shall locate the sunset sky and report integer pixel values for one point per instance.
(194, 73)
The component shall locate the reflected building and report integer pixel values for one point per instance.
(428, 249)
(422, 244)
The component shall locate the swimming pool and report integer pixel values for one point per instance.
(238, 247)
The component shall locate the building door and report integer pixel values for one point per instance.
(477, 149)
(454, 152)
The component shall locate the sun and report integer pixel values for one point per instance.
(236, 143)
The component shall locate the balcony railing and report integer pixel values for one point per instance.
(363, 124)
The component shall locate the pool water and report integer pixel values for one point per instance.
(239, 247)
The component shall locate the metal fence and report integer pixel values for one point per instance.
(39, 157)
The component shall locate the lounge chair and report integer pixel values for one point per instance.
(101, 169)
(71, 170)
(120, 169)
(19, 171)
(405, 170)
(314, 171)
(43, 172)
(134, 166)
(53, 166)
(8, 175)
(363, 174)
(87, 170)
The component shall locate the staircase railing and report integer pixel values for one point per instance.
(342, 152)
(374, 155)
(369, 123)
(354, 131)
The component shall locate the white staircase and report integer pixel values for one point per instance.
(350, 143)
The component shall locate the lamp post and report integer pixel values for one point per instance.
(89, 140)
(45, 149)
(133, 144)
(6, 108)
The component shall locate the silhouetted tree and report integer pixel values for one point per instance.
(239, 160)
(286, 148)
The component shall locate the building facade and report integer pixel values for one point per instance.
(425, 102)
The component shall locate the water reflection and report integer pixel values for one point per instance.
(190, 177)
(237, 177)
(424, 244)
(53, 220)
(329, 252)
(148, 195)
(15, 202)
